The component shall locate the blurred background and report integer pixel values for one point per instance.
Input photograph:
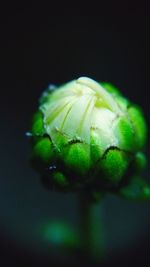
(38, 48)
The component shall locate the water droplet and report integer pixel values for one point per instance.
(51, 87)
(53, 167)
(28, 134)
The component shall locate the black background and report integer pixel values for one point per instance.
(40, 46)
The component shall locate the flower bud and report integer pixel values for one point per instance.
(86, 135)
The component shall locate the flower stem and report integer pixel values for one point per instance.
(91, 229)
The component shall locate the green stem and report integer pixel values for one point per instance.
(91, 230)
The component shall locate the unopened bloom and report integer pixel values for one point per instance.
(86, 135)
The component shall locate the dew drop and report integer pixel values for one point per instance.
(53, 167)
(51, 87)
(28, 134)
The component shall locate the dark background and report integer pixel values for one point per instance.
(39, 46)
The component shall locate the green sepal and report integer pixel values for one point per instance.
(43, 150)
(122, 102)
(60, 140)
(114, 164)
(111, 88)
(124, 132)
(137, 189)
(140, 162)
(59, 179)
(76, 157)
(37, 128)
(139, 124)
(97, 147)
